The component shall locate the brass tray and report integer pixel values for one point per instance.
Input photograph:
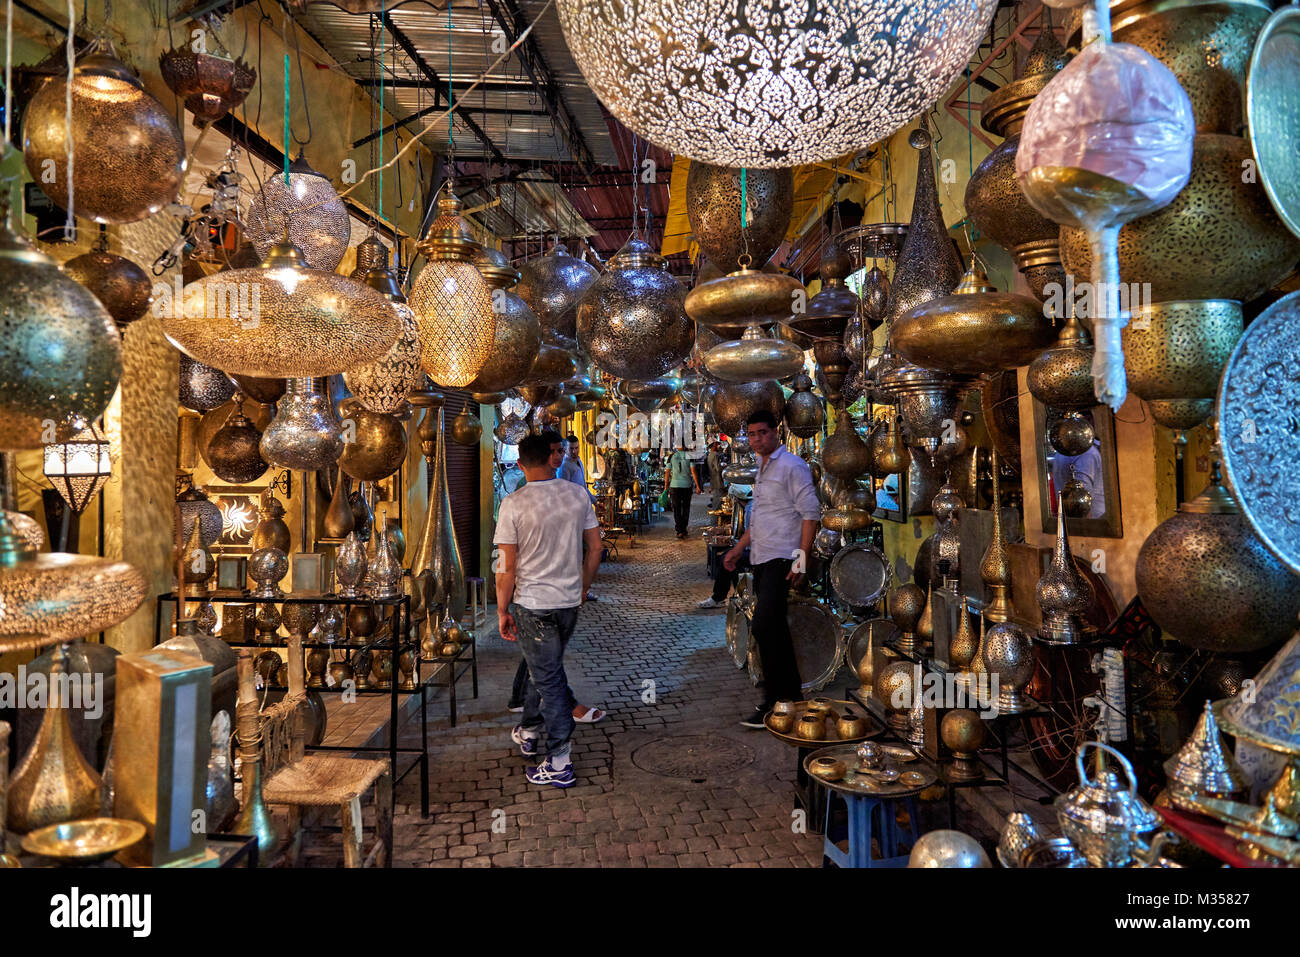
(855, 782)
(873, 726)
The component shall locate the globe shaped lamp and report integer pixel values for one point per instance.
(280, 320)
(779, 85)
(318, 221)
(451, 300)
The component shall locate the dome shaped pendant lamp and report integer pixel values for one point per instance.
(451, 300)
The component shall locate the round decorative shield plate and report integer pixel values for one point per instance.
(1258, 428)
(1272, 108)
(737, 632)
(860, 575)
(818, 642)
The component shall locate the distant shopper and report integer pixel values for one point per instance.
(714, 460)
(782, 522)
(541, 579)
(681, 480)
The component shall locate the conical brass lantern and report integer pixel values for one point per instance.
(309, 206)
(995, 568)
(451, 300)
(128, 155)
(1063, 594)
(517, 336)
(436, 562)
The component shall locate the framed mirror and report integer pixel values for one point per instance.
(1095, 469)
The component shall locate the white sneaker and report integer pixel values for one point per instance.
(710, 602)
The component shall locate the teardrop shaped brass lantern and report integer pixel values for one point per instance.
(382, 385)
(874, 295)
(552, 286)
(1208, 580)
(123, 288)
(233, 453)
(804, 414)
(1063, 594)
(45, 314)
(733, 403)
(129, 156)
(973, 331)
(631, 320)
(280, 320)
(339, 521)
(436, 561)
(754, 356)
(844, 454)
(732, 303)
(1061, 378)
(317, 220)
(517, 336)
(829, 312)
(451, 299)
(889, 455)
(713, 201)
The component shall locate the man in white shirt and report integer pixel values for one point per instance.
(782, 522)
(541, 579)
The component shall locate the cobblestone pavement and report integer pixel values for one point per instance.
(644, 653)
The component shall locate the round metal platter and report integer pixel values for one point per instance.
(873, 633)
(737, 632)
(859, 782)
(818, 642)
(1273, 112)
(1258, 428)
(860, 575)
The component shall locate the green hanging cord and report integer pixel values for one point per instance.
(744, 197)
(286, 119)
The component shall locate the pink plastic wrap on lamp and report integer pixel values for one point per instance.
(1108, 140)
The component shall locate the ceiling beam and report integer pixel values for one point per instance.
(512, 23)
(402, 40)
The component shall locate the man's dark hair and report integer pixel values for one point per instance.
(571, 439)
(552, 437)
(535, 450)
(762, 416)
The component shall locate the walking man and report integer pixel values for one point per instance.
(681, 481)
(782, 522)
(541, 580)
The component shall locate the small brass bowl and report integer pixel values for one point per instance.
(886, 775)
(783, 707)
(780, 723)
(828, 769)
(850, 726)
(84, 841)
(913, 779)
(811, 727)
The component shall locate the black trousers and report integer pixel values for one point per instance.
(723, 580)
(771, 631)
(681, 499)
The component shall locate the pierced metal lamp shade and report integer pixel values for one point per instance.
(779, 84)
(382, 385)
(518, 334)
(281, 320)
(128, 155)
(713, 201)
(79, 467)
(318, 221)
(451, 300)
(123, 288)
(60, 355)
(552, 287)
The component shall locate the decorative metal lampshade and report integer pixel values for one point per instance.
(713, 201)
(60, 355)
(318, 222)
(829, 312)
(754, 356)
(552, 286)
(731, 404)
(211, 86)
(202, 388)
(631, 320)
(123, 288)
(452, 301)
(306, 433)
(128, 155)
(281, 320)
(79, 467)
(518, 334)
(1061, 378)
(730, 304)
(382, 385)
(804, 413)
(776, 86)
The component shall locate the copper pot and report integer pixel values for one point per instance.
(780, 723)
(713, 209)
(810, 726)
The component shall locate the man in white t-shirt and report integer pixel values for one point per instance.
(541, 579)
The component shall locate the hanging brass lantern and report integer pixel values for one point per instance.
(754, 356)
(947, 535)
(1180, 414)
(832, 369)
(60, 356)
(804, 414)
(129, 157)
(378, 446)
(305, 434)
(889, 455)
(281, 320)
(539, 395)
(451, 300)
(517, 336)
(844, 454)
(552, 286)
(263, 391)
(1208, 580)
(123, 288)
(829, 312)
(713, 201)
(79, 466)
(733, 403)
(466, 429)
(1063, 594)
(382, 385)
(563, 407)
(554, 364)
(309, 207)
(234, 454)
(731, 304)
(1061, 378)
(1069, 433)
(631, 320)
(973, 331)
(211, 85)
(192, 505)
(203, 388)
(994, 201)
(874, 295)
(1177, 350)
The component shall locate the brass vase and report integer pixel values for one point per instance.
(713, 200)
(385, 572)
(254, 816)
(350, 566)
(1063, 594)
(339, 522)
(964, 645)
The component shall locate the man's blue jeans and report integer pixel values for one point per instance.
(548, 703)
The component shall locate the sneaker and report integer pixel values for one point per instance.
(527, 743)
(515, 708)
(711, 602)
(755, 720)
(547, 773)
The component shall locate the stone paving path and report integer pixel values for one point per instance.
(645, 654)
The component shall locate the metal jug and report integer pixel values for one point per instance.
(1101, 817)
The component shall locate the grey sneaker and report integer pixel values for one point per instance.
(711, 602)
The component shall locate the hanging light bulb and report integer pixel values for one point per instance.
(319, 223)
(79, 467)
(451, 300)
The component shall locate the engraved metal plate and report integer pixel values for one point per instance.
(737, 632)
(1272, 108)
(860, 575)
(818, 642)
